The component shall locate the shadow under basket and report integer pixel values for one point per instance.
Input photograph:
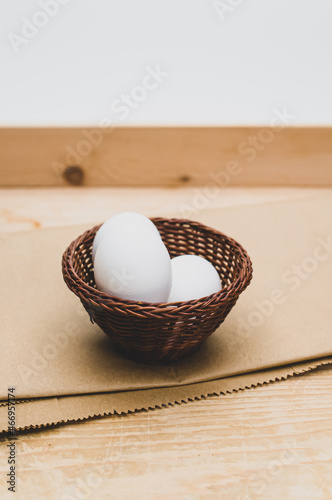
(164, 332)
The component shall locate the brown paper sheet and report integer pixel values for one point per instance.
(284, 317)
(50, 411)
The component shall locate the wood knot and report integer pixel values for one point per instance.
(74, 175)
(184, 178)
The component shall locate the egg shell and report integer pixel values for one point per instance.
(133, 266)
(130, 222)
(193, 278)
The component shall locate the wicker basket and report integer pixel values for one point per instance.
(163, 332)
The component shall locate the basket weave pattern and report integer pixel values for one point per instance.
(163, 332)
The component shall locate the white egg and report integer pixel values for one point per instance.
(193, 278)
(133, 265)
(130, 222)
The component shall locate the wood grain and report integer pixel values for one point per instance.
(266, 443)
(166, 156)
(33, 208)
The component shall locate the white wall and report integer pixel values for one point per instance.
(264, 55)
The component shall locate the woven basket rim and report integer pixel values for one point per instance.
(100, 298)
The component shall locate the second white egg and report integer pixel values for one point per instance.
(193, 278)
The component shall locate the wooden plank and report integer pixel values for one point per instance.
(271, 442)
(267, 443)
(166, 156)
(29, 208)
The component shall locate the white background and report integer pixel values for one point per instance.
(264, 54)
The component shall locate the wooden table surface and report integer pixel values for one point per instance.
(271, 442)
